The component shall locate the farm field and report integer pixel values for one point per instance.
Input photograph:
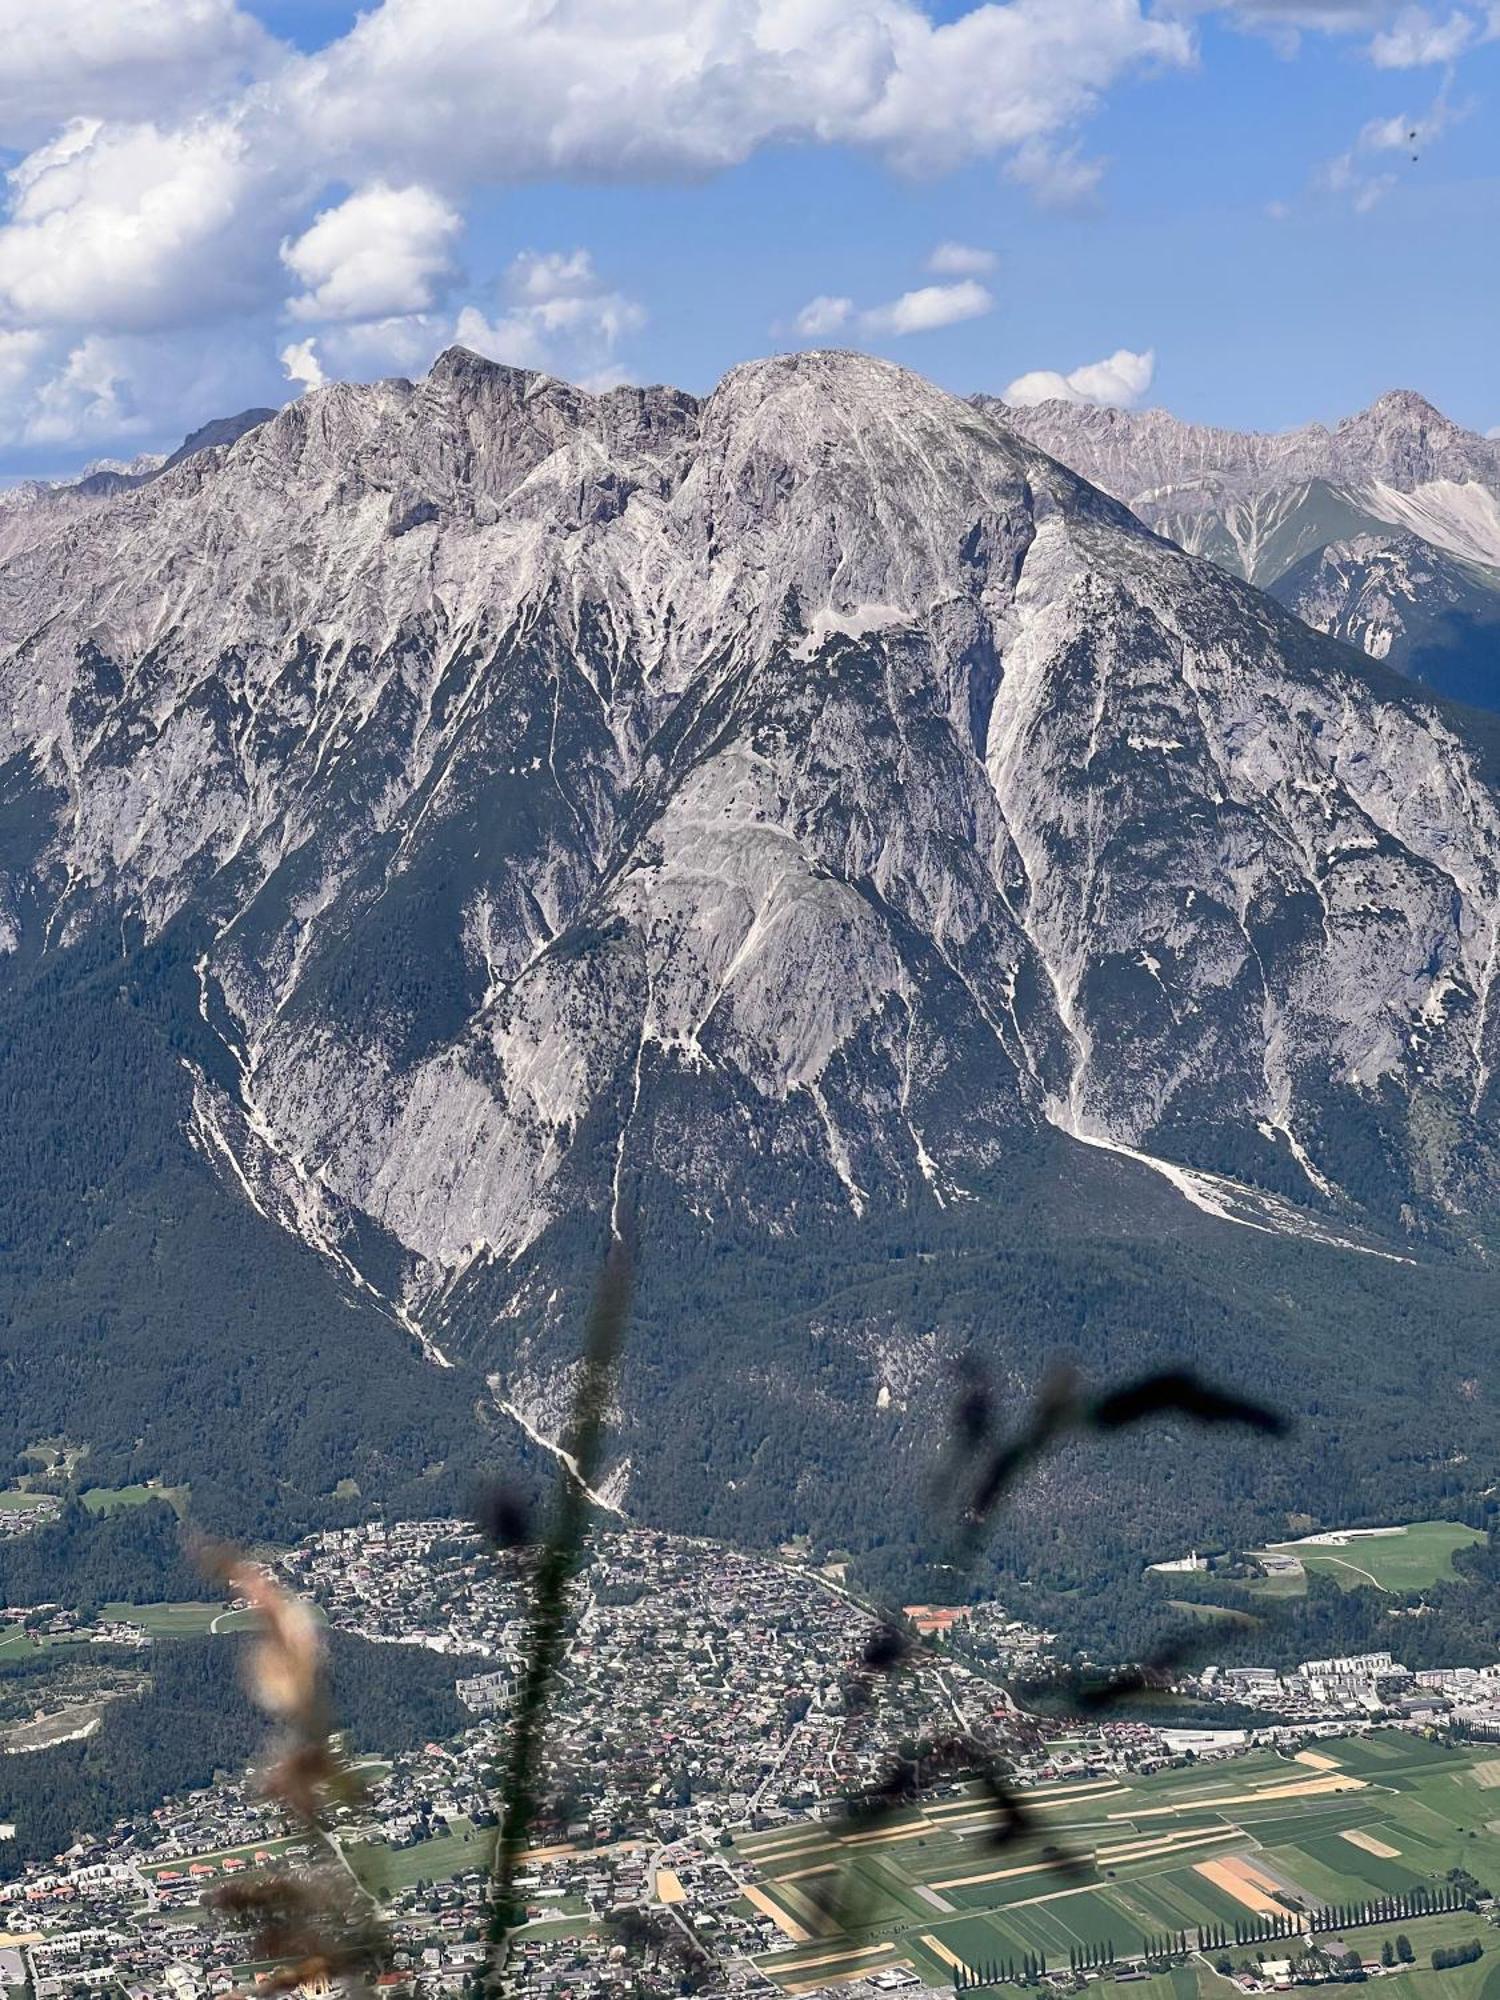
(1478, 1981)
(15, 1644)
(1116, 1864)
(1407, 1558)
(13, 1500)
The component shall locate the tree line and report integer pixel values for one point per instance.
(131, 1555)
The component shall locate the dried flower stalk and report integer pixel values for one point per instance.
(316, 1922)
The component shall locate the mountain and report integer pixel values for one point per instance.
(808, 830)
(1384, 531)
(106, 478)
(1399, 598)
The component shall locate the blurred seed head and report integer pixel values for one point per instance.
(889, 1648)
(284, 1665)
(503, 1517)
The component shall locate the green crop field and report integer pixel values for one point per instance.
(1406, 1558)
(14, 1501)
(1117, 1864)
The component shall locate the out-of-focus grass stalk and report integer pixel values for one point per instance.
(556, 1563)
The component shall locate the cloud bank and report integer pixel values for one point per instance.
(180, 168)
(182, 176)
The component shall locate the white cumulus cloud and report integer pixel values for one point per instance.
(1119, 382)
(961, 260)
(383, 250)
(122, 59)
(19, 352)
(299, 359)
(1417, 39)
(89, 396)
(823, 315)
(639, 87)
(929, 307)
(125, 227)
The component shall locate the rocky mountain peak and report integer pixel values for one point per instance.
(794, 814)
(532, 770)
(1402, 438)
(1404, 406)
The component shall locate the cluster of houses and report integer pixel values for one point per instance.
(1359, 1687)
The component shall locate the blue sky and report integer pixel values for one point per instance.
(1208, 204)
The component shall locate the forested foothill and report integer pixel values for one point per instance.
(194, 1719)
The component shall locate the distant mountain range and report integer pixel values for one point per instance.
(808, 829)
(1384, 531)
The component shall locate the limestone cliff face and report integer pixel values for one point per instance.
(814, 791)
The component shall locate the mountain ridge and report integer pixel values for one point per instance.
(1401, 433)
(808, 813)
(1402, 502)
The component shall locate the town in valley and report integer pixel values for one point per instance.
(714, 1720)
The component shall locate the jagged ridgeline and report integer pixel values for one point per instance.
(444, 817)
(1384, 531)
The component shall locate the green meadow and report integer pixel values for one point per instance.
(168, 1621)
(1408, 1558)
(186, 1621)
(108, 1499)
(383, 1869)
